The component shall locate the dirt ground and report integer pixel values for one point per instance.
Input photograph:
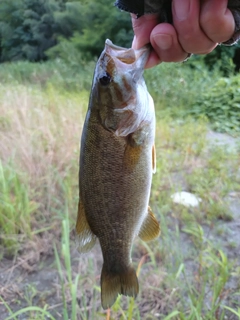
(36, 282)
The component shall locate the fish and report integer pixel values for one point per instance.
(117, 160)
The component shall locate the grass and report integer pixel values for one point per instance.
(190, 273)
(71, 77)
(39, 150)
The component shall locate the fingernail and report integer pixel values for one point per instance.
(163, 41)
(181, 8)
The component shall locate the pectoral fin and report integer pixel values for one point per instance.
(131, 156)
(134, 147)
(85, 238)
(150, 228)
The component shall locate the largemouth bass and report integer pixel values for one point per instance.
(117, 159)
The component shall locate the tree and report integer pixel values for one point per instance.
(27, 28)
(96, 22)
(11, 30)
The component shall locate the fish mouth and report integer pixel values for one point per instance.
(113, 46)
(127, 56)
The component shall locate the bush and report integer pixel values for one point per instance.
(226, 57)
(175, 87)
(221, 104)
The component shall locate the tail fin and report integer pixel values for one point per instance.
(112, 284)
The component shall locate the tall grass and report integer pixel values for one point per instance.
(39, 147)
(16, 207)
(74, 77)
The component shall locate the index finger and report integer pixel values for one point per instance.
(142, 28)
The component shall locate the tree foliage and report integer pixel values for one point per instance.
(96, 22)
(227, 55)
(27, 28)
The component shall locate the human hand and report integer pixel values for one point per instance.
(198, 26)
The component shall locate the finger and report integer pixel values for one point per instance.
(221, 28)
(142, 28)
(165, 43)
(153, 60)
(186, 21)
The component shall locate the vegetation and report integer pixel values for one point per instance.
(191, 272)
(217, 97)
(221, 104)
(29, 28)
(225, 58)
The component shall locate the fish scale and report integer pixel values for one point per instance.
(117, 159)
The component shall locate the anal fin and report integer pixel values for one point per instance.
(150, 228)
(85, 238)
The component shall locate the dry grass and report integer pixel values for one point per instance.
(39, 142)
(40, 129)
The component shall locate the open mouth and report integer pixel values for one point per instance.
(128, 56)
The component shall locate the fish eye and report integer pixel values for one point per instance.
(105, 80)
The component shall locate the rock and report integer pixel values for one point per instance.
(187, 199)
